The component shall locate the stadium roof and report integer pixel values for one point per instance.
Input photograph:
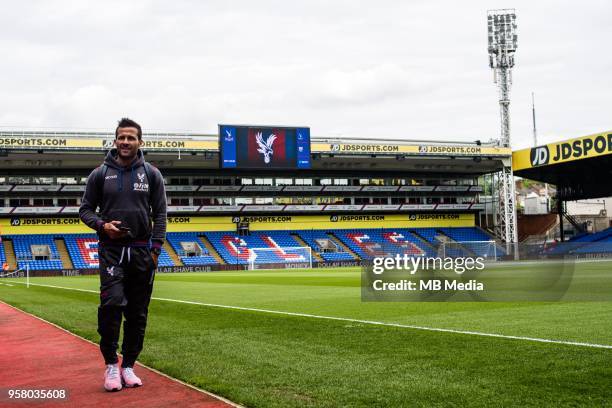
(580, 168)
(32, 151)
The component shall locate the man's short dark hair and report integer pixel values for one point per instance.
(127, 122)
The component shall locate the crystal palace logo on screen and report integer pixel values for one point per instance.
(265, 147)
(261, 147)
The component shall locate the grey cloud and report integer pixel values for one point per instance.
(353, 68)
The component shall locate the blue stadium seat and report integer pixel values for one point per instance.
(176, 238)
(23, 252)
(235, 249)
(598, 236)
(2, 254)
(83, 250)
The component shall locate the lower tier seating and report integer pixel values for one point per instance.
(266, 247)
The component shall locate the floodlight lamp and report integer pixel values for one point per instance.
(501, 28)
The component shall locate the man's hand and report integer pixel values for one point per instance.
(110, 228)
(155, 258)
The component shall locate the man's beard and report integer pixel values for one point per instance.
(130, 157)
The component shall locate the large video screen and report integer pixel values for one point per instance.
(257, 147)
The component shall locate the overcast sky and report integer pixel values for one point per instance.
(383, 69)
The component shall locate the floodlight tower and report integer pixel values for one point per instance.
(501, 25)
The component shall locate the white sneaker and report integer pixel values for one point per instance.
(129, 378)
(112, 379)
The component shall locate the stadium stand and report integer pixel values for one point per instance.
(598, 236)
(381, 242)
(311, 237)
(409, 243)
(164, 259)
(360, 197)
(83, 250)
(177, 238)
(270, 207)
(429, 234)
(2, 255)
(599, 242)
(23, 252)
(601, 246)
(235, 249)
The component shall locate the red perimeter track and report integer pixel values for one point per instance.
(37, 355)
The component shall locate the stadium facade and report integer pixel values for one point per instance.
(350, 199)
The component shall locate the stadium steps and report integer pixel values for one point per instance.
(303, 243)
(431, 240)
(339, 242)
(211, 250)
(60, 244)
(423, 241)
(170, 251)
(9, 252)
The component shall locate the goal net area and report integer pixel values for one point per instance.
(280, 258)
(489, 250)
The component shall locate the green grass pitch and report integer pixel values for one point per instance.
(258, 358)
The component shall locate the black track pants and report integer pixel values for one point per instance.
(126, 283)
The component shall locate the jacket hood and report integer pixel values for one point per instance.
(111, 160)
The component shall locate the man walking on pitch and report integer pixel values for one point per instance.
(131, 228)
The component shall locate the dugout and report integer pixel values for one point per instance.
(580, 168)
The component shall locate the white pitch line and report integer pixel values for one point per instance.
(346, 319)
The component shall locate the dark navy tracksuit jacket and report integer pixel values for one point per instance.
(136, 196)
